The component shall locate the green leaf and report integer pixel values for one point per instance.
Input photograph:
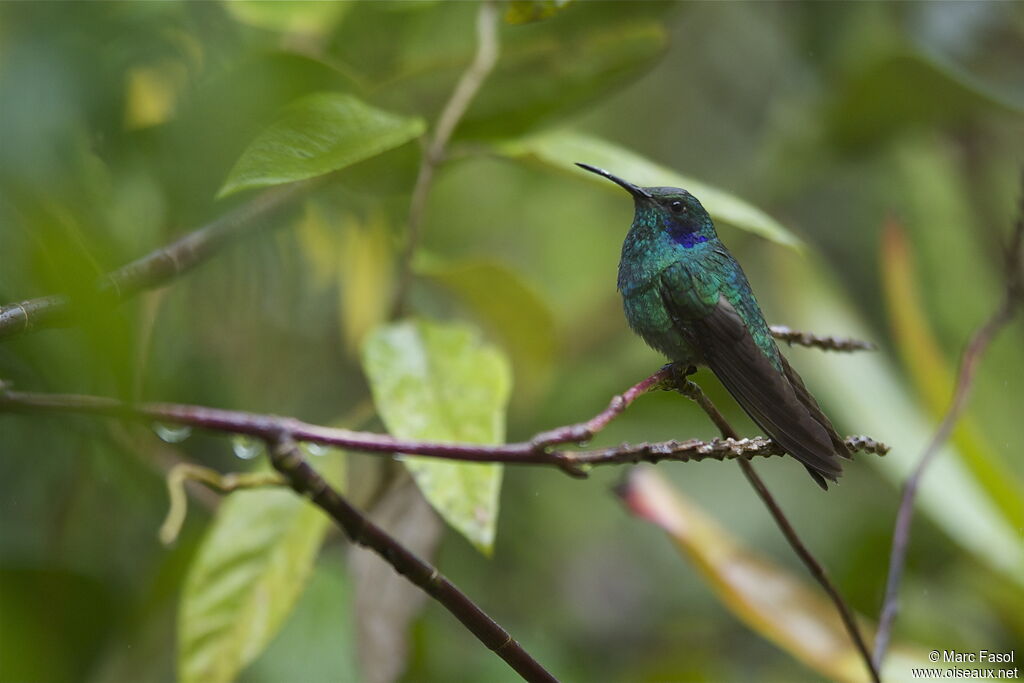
(250, 569)
(44, 637)
(527, 11)
(560, 66)
(318, 644)
(563, 148)
(769, 599)
(508, 307)
(440, 383)
(318, 134)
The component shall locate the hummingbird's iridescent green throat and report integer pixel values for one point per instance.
(688, 298)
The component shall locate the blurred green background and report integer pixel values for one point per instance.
(887, 137)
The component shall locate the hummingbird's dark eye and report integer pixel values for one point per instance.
(677, 207)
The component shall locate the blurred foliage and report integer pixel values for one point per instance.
(809, 124)
(739, 576)
(247, 575)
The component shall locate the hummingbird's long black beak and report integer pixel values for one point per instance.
(630, 187)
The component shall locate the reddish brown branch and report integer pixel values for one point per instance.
(979, 342)
(536, 451)
(584, 431)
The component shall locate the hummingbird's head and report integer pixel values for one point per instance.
(670, 209)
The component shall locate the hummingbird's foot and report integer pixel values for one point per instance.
(677, 374)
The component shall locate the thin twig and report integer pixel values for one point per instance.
(156, 268)
(693, 391)
(825, 343)
(696, 450)
(462, 96)
(287, 460)
(224, 483)
(584, 431)
(979, 342)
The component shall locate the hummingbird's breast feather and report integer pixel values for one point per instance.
(644, 305)
(666, 291)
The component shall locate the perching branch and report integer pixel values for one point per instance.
(155, 268)
(536, 451)
(286, 459)
(465, 90)
(1013, 297)
(693, 391)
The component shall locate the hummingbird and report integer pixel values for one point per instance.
(687, 297)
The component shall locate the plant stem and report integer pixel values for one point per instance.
(462, 96)
(156, 268)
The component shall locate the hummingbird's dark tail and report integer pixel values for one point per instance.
(777, 401)
(815, 412)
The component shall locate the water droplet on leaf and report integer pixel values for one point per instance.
(172, 433)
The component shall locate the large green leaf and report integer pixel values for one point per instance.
(558, 66)
(771, 600)
(563, 148)
(249, 571)
(318, 134)
(440, 383)
(318, 644)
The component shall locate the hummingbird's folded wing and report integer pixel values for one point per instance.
(763, 391)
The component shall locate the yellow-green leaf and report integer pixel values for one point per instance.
(249, 571)
(318, 134)
(527, 11)
(364, 277)
(562, 149)
(786, 610)
(438, 382)
(298, 16)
